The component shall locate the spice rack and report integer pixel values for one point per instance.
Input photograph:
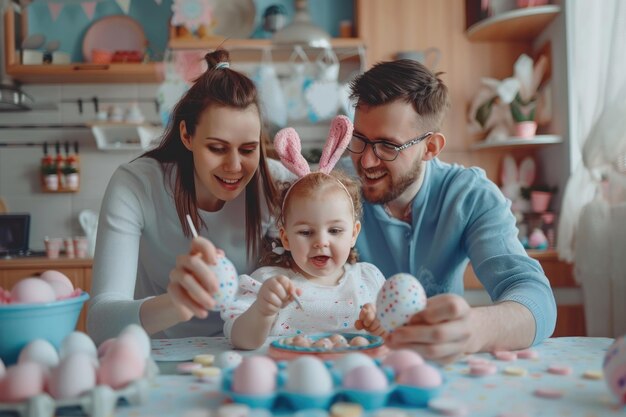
(60, 174)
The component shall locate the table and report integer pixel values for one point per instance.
(488, 396)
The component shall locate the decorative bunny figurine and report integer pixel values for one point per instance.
(514, 179)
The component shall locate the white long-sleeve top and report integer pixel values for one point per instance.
(326, 308)
(140, 236)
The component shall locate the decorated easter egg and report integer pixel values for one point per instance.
(401, 297)
(226, 275)
(615, 368)
(227, 360)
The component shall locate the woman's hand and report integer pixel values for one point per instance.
(192, 282)
(367, 321)
(275, 294)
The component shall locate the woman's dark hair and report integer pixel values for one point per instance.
(217, 86)
(406, 80)
(307, 186)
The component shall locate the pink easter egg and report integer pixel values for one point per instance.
(32, 290)
(255, 375)
(59, 282)
(365, 378)
(122, 363)
(21, 382)
(398, 360)
(421, 376)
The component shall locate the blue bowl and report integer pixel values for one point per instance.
(22, 323)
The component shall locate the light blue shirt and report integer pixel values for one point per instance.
(458, 215)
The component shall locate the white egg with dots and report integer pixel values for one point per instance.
(226, 275)
(398, 300)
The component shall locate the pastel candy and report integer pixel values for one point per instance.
(401, 297)
(226, 274)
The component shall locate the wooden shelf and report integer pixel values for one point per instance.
(77, 73)
(86, 73)
(515, 142)
(515, 25)
(237, 44)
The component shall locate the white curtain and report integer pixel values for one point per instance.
(592, 229)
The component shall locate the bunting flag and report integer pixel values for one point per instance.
(55, 10)
(89, 7)
(124, 4)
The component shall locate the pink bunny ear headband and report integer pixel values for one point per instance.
(289, 149)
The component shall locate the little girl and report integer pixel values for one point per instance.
(319, 224)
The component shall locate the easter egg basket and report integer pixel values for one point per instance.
(283, 401)
(97, 402)
(282, 351)
(21, 323)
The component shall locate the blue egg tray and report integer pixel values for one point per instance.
(284, 402)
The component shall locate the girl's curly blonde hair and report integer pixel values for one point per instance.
(305, 187)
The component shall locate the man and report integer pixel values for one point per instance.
(428, 218)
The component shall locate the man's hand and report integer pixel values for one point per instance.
(440, 332)
(367, 321)
(274, 295)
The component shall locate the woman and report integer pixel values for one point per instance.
(144, 271)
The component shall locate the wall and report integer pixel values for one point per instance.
(404, 25)
(56, 215)
(72, 23)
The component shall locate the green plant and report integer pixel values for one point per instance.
(68, 169)
(48, 170)
(523, 111)
(525, 191)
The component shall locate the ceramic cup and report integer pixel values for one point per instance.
(69, 247)
(80, 246)
(53, 247)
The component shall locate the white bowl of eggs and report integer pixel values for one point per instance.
(45, 307)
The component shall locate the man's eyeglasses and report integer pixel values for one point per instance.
(385, 151)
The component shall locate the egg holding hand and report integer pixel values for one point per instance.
(398, 300)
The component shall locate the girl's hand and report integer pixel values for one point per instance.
(367, 321)
(275, 294)
(192, 281)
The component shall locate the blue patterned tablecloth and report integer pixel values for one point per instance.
(490, 396)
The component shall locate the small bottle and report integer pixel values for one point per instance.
(59, 160)
(46, 160)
